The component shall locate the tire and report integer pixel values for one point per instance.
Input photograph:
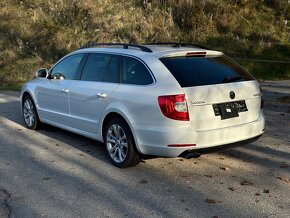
(29, 113)
(120, 144)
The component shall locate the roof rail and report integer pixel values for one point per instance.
(125, 46)
(177, 44)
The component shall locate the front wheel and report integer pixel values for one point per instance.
(120, 144)
(30, 115)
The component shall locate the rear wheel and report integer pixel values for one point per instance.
(29, 113)
(120, 144)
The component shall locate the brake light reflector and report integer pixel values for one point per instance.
(181, 145)
(196, 54)
(174, 107)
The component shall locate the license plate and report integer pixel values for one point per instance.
(229, 109)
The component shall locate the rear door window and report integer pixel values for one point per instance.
(95, 67)
(134, 72)
(102, 67)
(199, 71)
(112, 73)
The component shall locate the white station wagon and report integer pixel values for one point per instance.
(162, 99)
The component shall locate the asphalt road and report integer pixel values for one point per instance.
(54, 173)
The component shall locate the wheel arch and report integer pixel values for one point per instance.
(113, 114)
(24, 94)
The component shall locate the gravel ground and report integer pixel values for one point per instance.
(54, 173)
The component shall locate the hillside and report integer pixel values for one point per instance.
(35, 33)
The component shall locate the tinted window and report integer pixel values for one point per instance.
(67, 68)
(198, 71)
(95, 67)
(134, 72)
(112, 70)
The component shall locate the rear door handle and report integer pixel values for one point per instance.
(102, 95)
(65, 90)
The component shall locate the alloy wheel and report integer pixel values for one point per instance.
(117, 143)
(29, 113)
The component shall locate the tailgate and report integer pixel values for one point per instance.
(202, 100)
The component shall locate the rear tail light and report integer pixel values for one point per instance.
(174, 107)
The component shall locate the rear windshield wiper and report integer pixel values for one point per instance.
(231, 79)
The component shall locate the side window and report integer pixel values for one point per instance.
(112, 71)
(95, 67)
(134, 72)
(67, 68)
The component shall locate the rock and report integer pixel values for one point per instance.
(247, 183)
(232, 188)
(266, 191)
(143, 181)
(284, 165)
(284, 178)
(224, 168)
(211, 201)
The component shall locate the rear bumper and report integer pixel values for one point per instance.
(224, 147)
(155, 140)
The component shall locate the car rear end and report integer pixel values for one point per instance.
(219, 104)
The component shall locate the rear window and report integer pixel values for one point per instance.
(200, 71)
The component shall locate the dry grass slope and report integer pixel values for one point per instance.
(35, 33)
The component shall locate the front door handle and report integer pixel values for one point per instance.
(65, 90)
(102, 95)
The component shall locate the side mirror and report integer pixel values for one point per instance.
(41, 73)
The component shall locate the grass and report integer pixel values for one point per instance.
(11, 86)
(35, 33)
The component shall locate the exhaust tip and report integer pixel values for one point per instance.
(190, 154)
